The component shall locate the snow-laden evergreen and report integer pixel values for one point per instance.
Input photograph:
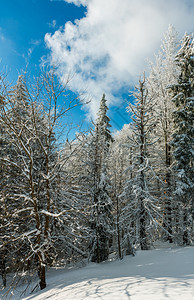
(101, 216)
(182, 138)
(139, 203)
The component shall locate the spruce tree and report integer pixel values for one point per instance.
(101, 202)
(182, 138)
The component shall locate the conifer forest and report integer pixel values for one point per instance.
(66, 201)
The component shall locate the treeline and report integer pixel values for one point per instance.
(95, 195)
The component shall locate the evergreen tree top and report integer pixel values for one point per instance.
(20, 93)
(102, 122)
(102, 113)
(185, 57)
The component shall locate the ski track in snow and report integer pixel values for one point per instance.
(163, 273)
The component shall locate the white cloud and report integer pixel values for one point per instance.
(53, 24)
(77, 2)
(34, 44)
(108, 47)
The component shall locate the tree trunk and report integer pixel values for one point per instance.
(168, 201)
(118, 231)
(142, 231)
(186, 240)
(169, 204)
(42, 276)
(3, 267)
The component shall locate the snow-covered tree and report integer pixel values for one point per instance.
(140, 205)
(4, 145)
(76, 185)
(163, 73)
(101, 202)
(13, 110)
(120, 163)
(101, 220)
(34, 192)
(182, 138)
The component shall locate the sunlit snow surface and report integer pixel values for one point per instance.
(162, 273)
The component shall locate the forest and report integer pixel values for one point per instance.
(81, 200)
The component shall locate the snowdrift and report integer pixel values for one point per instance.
(162, 273)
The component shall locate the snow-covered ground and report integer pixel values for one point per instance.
(162, 273)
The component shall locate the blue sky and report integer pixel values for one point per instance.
(23, 25)
(104, 43)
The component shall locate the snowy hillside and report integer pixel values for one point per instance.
(162, 273)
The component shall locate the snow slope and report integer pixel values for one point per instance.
(162, 273)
